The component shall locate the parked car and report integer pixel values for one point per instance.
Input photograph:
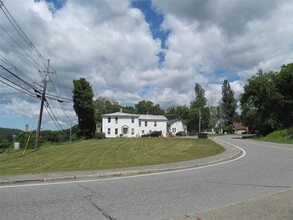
(180, 133)
(156, 134)
(153, 134)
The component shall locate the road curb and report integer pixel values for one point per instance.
(109, 174)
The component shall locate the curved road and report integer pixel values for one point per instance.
(265, 169)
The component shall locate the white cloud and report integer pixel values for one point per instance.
(111, 45)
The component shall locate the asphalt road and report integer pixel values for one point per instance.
(265, 169)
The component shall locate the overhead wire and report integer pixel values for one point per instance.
(24, 55)
(24, 83)
(20, 31)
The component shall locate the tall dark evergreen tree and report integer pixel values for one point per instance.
(198, 112)
(200, 100)
(229, 104)
(83, 107)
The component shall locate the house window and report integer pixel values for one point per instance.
(132, 120)
(155, 124)
(150, 131)
(142, 131)
(109, 130)
(109, 119)
(132, 131)
(173, 130)
(145, 123)
(116, 130)
(116, 120)
(139, 123)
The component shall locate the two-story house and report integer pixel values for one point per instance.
(120, 124)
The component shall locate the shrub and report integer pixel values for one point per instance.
(290, 133)
(100, 135)
(228, 129)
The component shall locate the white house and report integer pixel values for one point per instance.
(176, 125)
(131, 125)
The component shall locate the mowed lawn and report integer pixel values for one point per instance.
(107, 154)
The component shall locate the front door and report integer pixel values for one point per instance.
(125, 131)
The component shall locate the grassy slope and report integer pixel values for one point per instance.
(107, 154)
(278, 137)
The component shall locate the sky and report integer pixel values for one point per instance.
(133, 50)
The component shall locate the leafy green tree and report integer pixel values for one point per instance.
(129, 109)
(83, 107)
(284, 85)
(215, 115)
(229, 104)
(148, 107)
(103, 105)
(171, 113)
(179, 112)
(261, 103)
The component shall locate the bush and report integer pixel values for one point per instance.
(228, 129)
(100, 135)
(290, 133)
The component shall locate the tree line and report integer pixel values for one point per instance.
(265, 105)
(198, 116)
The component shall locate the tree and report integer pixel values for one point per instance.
(200, 100)
(267, 101)
(198, 112)
(103, 105)
(215, 116)
(83, 107)
(284, 85)
(148, 107)
(179, 112)
(229, 104)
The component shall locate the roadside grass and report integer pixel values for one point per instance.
(280, 136)
(106, 154)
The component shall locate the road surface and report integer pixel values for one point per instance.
(266, 168)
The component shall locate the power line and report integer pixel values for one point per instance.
(20, 31)
(24, 56)
(23, 82)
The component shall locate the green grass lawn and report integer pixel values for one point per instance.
(280, 136)
(107, 154)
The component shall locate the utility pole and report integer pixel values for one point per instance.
(43, 98)
(70, 133)
(199, 119)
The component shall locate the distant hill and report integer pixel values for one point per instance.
(6, 133)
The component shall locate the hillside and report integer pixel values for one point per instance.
(6, 133)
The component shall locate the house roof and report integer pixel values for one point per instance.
(153, 117)
(120, 114)
(172, 121)
(141, 117)
(238, 126)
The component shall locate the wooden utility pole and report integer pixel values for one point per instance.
(43, 98)
(199, 119)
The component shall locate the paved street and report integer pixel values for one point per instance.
(265, 169)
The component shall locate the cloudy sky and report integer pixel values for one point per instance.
(130, 50)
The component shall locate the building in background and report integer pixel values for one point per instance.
(120, 124)
(175, 126)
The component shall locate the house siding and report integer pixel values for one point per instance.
(130, 125)
(176, 126)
